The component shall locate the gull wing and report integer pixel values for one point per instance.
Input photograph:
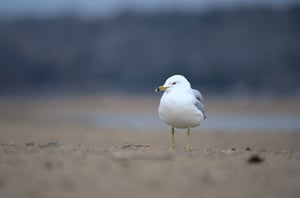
(198, 101)
(198, 95)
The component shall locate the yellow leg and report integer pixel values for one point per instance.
(187, 147)
(173, 144)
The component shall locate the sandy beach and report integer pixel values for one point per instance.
(40, 158)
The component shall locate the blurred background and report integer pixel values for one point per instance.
(122, 48)
(224, 47)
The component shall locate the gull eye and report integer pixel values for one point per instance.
(174, 83)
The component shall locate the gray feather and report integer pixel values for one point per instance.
(198, 95)
(198, 101)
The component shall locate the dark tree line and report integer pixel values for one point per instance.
(254, 50)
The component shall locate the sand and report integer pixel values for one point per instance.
(44, 159)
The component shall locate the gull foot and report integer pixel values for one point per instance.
(187, 148)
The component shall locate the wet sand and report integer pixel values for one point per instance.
(44, 159)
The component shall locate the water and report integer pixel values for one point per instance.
(214, 122)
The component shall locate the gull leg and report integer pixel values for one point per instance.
(173, 144)
(187, 147)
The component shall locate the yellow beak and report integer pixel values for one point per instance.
(161, 88)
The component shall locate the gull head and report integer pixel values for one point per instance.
(174, 82)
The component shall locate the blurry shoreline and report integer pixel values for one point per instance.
(139, 112)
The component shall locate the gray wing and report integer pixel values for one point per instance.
(198, 102)
(198, 95)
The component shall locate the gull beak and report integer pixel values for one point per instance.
(161, 88)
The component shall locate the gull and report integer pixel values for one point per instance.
(180, 106)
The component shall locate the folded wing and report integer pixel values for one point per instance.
(199, 101)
